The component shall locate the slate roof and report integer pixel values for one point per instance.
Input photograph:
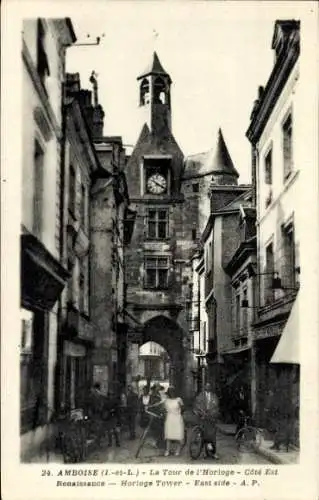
(215, 161)
(244, 201)
(219, 160)
(194, 165)
(155, 68)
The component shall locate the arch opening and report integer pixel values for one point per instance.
(153, 366)
(160, 91)
(144, 92)
(169, 335)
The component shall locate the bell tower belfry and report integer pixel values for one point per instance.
(155, 96)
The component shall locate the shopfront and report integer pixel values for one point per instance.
(42, 281)
(77, 369)
(286, 359)
(236, 382)
(76, 360)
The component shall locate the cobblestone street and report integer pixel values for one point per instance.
(227, 452)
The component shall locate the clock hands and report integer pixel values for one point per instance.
(162, 185)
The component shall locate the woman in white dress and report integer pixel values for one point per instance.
(174, 423)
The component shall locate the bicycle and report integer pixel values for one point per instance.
(198, 443)
(248, 437)
(73, 436)
(147, 429)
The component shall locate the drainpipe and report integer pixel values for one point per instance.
(59, 364)
(256, 282)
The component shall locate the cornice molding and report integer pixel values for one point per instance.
(274, 87)
(241, 255)
(155, 307)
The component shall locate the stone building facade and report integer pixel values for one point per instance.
(78, 167)
(158, 267)
(43, 275)
(220, 238)
(275, 132)
(239, 359)
(112, 223)
(76, 222)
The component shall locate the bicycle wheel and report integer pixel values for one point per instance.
(142, 441)
(248, 438)
(196, 442)
(184, 442)
(209, 452)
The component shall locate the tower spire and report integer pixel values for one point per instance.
(220, 164)
(155, 96)
(155, 68)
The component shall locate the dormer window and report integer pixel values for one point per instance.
(145, 92)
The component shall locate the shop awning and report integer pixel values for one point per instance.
(287, 350)
(237, 350)
(42, 276)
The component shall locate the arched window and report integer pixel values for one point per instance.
(159, 91)
(144, 92)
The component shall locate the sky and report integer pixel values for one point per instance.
(217, 54)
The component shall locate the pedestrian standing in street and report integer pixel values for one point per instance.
(206, 407)
(174, 422)
(144, 401)
(242, 408)
(162, 392)
(132, 408)
(156, 406)
(95, 409)
(281, 414)
(123, 409)
(112, 418)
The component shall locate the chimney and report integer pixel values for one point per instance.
(73, 84)
(97, 121)
(98, 112)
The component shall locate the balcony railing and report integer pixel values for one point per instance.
(279, 306)
(240, 332)
(79, 326)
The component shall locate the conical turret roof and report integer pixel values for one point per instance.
(219, 160)
(155, 68)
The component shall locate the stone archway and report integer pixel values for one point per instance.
(169, 335)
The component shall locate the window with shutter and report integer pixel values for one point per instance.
(268, 277)
(268, 168)
(72, 190)
(288, 264)
(287, 131)
(38, 189)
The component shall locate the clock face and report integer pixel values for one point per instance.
(156, 184)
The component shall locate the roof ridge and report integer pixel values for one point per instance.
(238, 198)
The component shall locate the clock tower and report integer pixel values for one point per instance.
(155, 96)
(157, 260)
